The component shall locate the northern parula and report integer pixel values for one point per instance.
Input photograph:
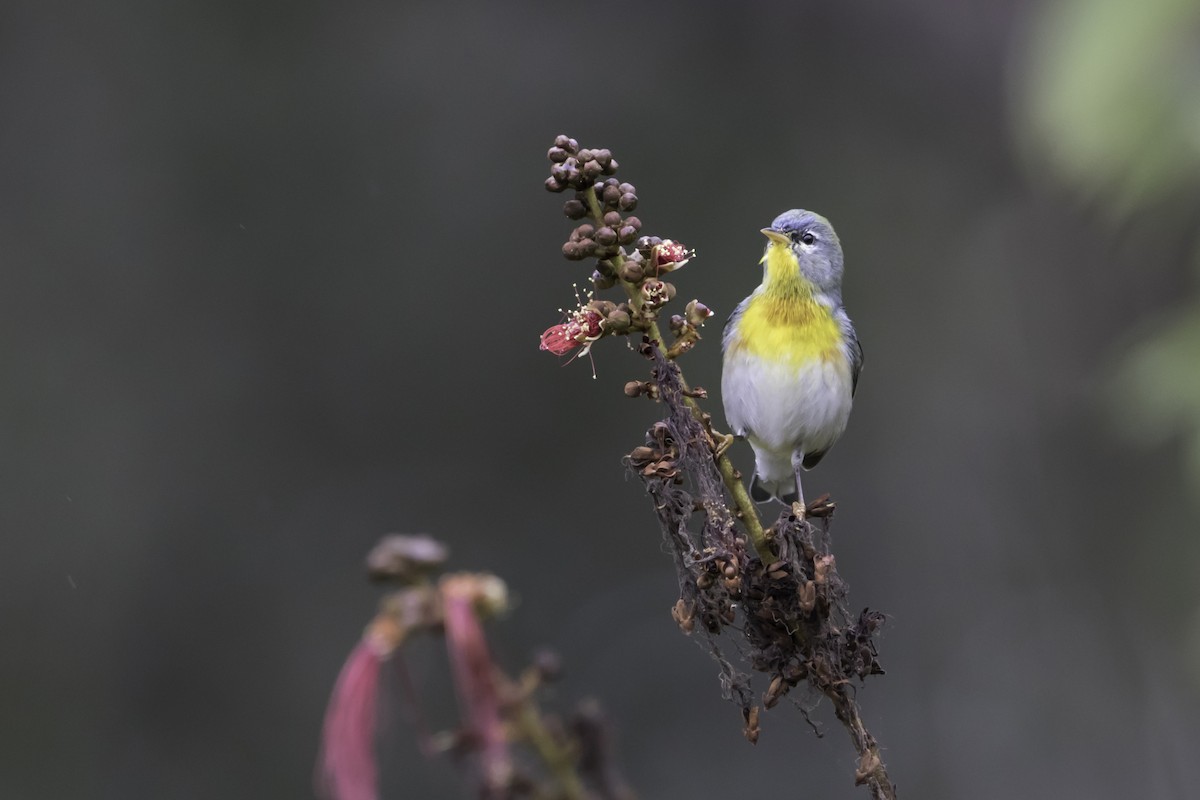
(791, 357)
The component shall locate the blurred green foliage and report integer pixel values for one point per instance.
(1110, 101)
(1111, 96)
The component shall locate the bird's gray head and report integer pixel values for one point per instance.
(811, 239)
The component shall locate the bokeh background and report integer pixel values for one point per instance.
(273, 279)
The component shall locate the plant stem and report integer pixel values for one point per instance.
(557, 757)
(745, 506)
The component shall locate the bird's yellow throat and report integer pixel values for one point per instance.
(784, 322)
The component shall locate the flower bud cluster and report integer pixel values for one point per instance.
(608, 232)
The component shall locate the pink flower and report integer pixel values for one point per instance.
(671, 255)
(558, 339)
(583, 326)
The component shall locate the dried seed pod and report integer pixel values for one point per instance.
(807, 593)
(822, 565)
(774, 692)
(750, 729)
(684, 614)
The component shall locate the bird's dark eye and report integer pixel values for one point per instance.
(805, 237)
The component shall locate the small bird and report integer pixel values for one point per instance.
(791, 357)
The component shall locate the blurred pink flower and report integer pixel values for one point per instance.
(347, 769)
(475, 678)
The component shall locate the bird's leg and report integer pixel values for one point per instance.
(798, 466)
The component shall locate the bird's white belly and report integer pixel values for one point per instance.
(783, 407)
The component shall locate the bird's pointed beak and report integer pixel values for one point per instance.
(775, 236)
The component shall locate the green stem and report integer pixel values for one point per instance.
(746, 509)
(557, 757)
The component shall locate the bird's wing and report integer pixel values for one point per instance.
(727, 335)
(854, 349)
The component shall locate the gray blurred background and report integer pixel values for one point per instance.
(273, 279)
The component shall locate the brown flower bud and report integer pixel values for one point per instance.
(636, 224)
(571, 251)
(602, 307)
(557, 155)
(606, 236)
(632, 272)
(646, 245)
(602, 155)
(584, 156)
(627, 202)
(601, 281)
(618, 321)
(548, 665)
(584, 231)
(611, 167)
(592, 170)
(565, 142)
(611, 195)
(627, 234)
(554, 185)
(697, 312)
(612, 219)
(628, 188)
(633, 389)
(574, 209)
(587, 247)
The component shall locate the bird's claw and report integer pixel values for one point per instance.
(721, 444)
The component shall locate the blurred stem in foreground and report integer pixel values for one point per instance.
(774, 589)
